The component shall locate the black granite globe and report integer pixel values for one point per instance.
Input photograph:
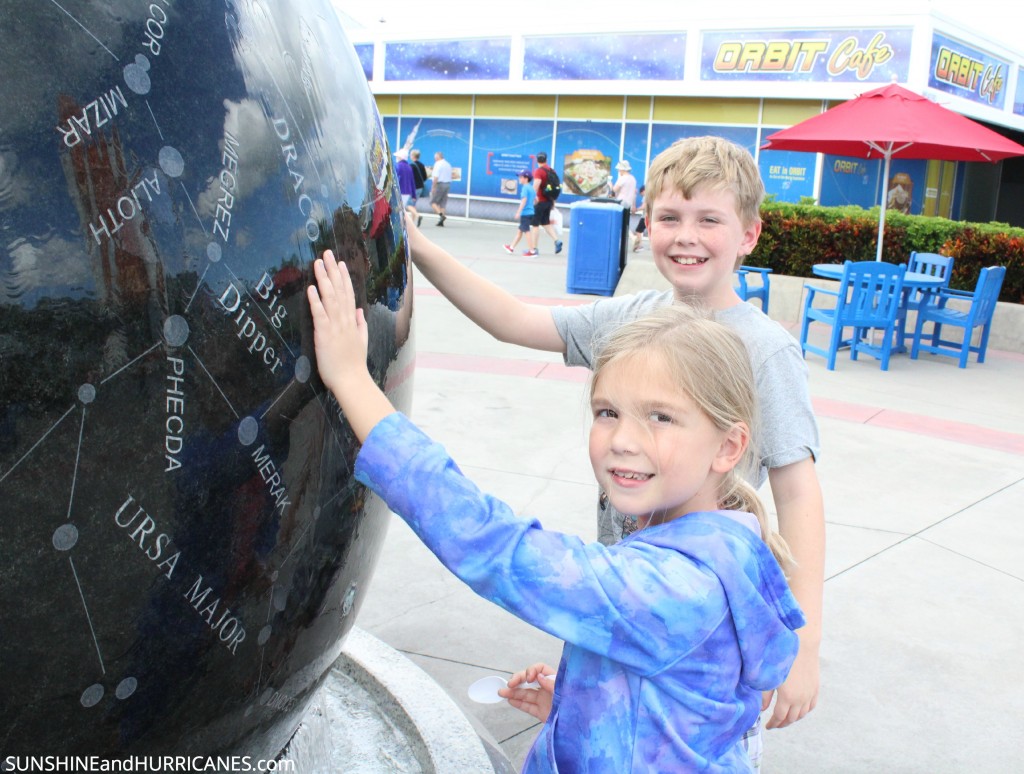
(182, 546)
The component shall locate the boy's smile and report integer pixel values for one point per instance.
(697, 242)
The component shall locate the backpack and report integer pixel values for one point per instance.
(552, 184)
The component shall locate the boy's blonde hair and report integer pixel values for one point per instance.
(710, 364)
(711, 162)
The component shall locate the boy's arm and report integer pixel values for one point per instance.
(522, 204)
(495, 310)
(801, 514)
(340, 338)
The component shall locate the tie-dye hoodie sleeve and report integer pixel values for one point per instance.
(622, 602)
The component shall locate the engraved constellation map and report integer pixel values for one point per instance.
(182, 546)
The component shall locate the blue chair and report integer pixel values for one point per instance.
(867, 299)
(982, 305)
(932, 264)
(747, 292)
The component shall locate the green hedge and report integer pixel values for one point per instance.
(796, 236)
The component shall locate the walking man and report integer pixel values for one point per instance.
(542, 207)
(441, 178)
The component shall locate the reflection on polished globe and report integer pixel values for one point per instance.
(182, 548)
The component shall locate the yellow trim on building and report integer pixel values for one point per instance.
(707, 110)
(638, 108)
(387, 104)
(786, 112)
(437, 105)
(515, 106)
(590, 107)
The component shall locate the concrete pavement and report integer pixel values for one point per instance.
(922, 470)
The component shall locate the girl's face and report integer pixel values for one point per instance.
(696, 243)
(654, 452)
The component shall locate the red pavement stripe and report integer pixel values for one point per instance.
(947, 430)
(959, 432)
(919, 424)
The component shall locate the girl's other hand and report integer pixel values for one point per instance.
(532, 701)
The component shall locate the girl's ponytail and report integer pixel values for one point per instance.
(738, 495)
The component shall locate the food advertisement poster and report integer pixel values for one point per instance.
(588, 173)
(586, 154)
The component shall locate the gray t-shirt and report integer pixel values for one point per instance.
(787, 430)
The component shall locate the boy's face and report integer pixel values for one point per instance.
(696, 243)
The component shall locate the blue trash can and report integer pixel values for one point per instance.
(597, 246)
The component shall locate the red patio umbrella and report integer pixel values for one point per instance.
(894, 123)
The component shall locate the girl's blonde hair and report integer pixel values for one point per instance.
(710, 364)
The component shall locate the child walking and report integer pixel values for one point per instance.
(524, 214)
(672, 634)
(702, 211)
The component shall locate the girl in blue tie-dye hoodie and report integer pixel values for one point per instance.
(670, 635)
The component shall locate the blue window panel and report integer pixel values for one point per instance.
(663, 135)
(448, 60)
(605, 58)
(365, 53)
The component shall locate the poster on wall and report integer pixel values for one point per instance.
(587, 173)
(586, 155)
(847, 180)
(906, 190)
(788, 175)
(502, 148)
(449, 136)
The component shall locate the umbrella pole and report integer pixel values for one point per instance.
(881, 209)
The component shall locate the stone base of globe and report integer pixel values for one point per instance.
(379, 713)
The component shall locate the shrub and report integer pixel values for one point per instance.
(794, 237)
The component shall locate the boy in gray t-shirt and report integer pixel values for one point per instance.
(702, 206)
